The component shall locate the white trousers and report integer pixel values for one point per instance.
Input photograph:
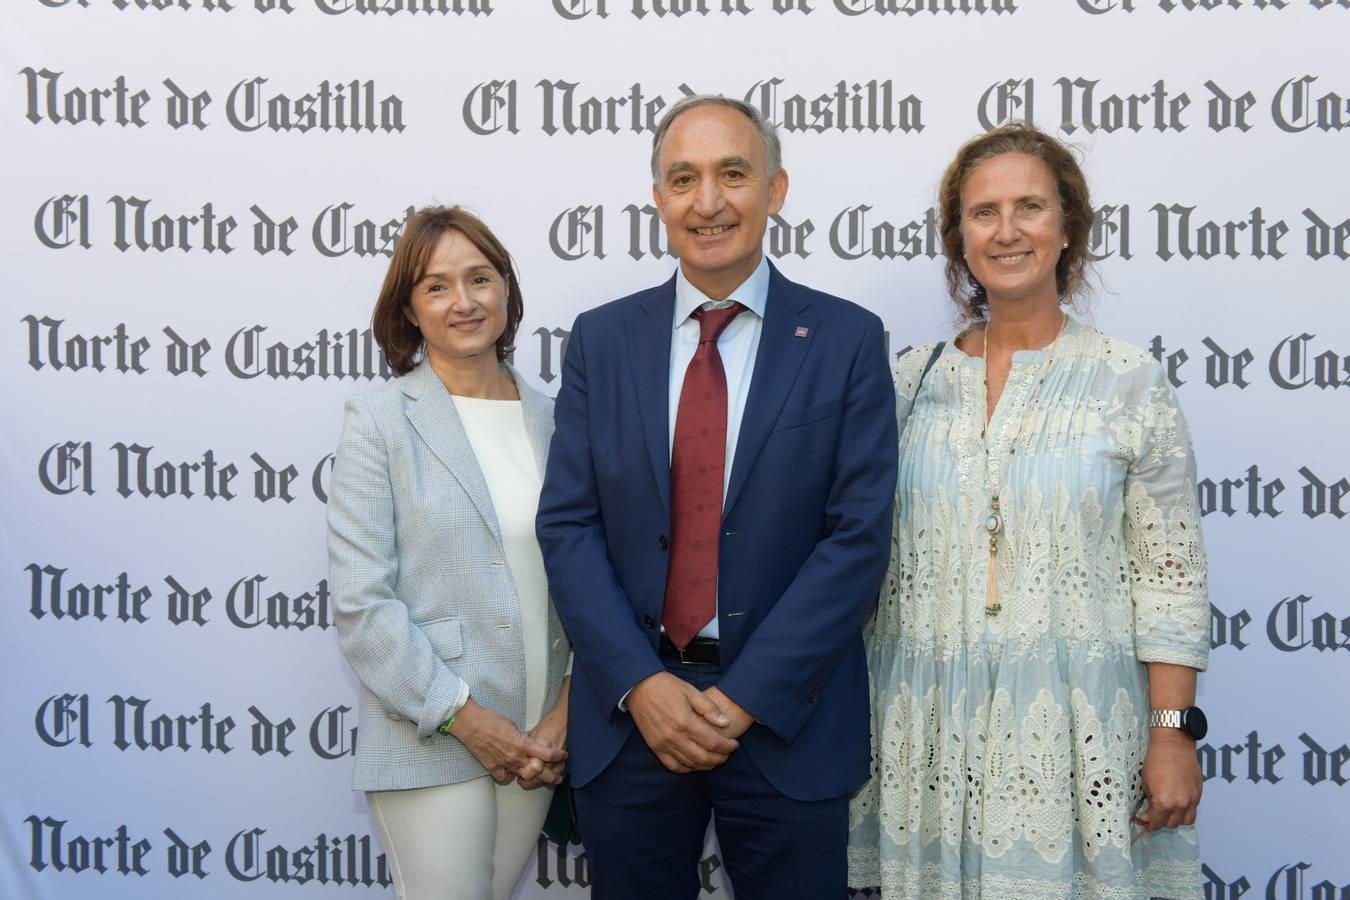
(466, 841)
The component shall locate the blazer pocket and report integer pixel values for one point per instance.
(446, 636)
(795, 418)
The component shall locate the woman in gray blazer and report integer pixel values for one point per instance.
(441, 599)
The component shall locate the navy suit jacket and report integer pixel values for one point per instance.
(805, 532)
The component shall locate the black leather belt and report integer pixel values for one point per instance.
(701, 650)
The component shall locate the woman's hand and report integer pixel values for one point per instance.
(500, 747)
(1172, 780)
(551, 732)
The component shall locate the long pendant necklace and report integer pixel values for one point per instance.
(993, 523)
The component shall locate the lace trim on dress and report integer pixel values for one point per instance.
(999, 778)
(1164, 879)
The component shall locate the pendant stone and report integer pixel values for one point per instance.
(993, 523)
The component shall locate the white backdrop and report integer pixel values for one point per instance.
(177, 719)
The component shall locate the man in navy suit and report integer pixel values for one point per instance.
(715, 521)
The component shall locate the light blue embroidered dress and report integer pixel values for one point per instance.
(1007, 749)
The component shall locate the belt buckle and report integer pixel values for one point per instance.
(685, 654)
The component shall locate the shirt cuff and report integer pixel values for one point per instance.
(459, 703)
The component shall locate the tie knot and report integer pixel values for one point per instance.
(712, 322)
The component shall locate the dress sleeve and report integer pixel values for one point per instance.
(1164, 550)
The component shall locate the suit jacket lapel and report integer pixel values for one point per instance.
(649, 336)
(436, 421)
(777, 362)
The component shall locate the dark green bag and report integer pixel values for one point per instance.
(560, 825)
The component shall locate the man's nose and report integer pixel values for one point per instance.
(708, 199)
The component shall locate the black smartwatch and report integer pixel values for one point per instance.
(1190, 720)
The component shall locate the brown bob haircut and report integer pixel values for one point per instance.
(1075, 208)
(401, 340)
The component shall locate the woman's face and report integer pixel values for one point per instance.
(1012, 228)
(459, 304)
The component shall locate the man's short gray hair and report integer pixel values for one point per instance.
(773, 150)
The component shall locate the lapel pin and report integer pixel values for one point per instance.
(802, 331)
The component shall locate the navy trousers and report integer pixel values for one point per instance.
(643, 827)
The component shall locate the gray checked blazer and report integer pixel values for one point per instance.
(425, 603)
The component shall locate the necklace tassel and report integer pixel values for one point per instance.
(992, 606)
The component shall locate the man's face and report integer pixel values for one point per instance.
(715, 196)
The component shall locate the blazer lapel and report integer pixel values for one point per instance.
(538, 420)
(780, 356)
(649, 335)
(436, 421)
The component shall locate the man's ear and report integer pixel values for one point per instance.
(778, 187)
(659, 201)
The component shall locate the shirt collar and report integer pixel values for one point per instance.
(753, 293)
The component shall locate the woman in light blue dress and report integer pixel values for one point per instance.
(1036, 646)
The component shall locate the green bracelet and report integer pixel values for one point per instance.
(447, 725)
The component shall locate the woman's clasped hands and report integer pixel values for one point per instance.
(532, 759)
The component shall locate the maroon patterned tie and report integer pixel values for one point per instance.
(697, 463)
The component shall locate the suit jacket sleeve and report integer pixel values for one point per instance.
(389, 652)
(608, 642)
(778, 674)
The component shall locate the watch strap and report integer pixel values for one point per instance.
(1165, 718)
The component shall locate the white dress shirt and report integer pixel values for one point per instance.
(737, 346)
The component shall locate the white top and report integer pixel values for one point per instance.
(496, 431)
(737, 346)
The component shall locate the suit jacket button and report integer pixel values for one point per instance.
(557, 646)
(649, 621)
(662, 543)
(814, 696)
